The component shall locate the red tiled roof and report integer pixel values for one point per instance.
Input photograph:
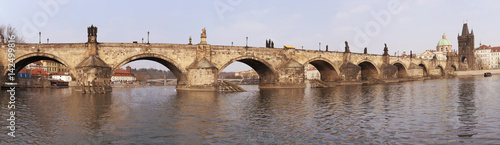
(483, 47)
(312, 68)
(493, 49)
(35, 72)
(123, 73)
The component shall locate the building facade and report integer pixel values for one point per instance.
(62, 76)
(54, 67)
(36, 65)
(312, 73)
(430, 54)
(487, 57)
(123, 75)
(248, 74)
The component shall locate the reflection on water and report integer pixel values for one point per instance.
(466, 109)
(460, 110)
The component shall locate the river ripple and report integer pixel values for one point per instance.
(447, 111)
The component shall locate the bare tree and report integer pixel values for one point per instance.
(7, 31)
(479, 63)
(2, 32)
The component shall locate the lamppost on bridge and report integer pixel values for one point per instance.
(148, 37)
(247, 42)
(320, 46)
(39, 37)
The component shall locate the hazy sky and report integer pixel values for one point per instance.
(403, 25)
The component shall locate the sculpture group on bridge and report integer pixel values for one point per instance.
(269, 43)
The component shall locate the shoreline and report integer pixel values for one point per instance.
(477, 72)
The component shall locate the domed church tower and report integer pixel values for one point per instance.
(444, 45)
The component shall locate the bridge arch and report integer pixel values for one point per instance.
(26, 59)
(463, 59)
(454, 67)
(402, 69)
(267, 73)
(425, 72)
(441, 70)
(326, 69)
(368, 70)
(165, 61)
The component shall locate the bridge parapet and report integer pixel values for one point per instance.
(198, 66)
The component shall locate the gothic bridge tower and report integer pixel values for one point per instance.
(466, 49)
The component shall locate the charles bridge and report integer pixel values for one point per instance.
(198, 66)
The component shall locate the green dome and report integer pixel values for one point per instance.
(444, 41)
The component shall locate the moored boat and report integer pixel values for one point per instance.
(488, 74)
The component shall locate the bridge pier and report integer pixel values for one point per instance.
(201, 76)
(388, 72)
(93, 76)
(350, 72)
(290, 75)
(415, 71)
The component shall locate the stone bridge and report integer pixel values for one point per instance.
(198, 66)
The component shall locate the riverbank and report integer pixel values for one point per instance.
(132, 85)
(477, 72)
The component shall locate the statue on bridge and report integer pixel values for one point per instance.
(366, 51)
(92, 34)
(204, 32)
(347, 48)
(269, 43)
(326, 47)
(386, 50)
(203, 36)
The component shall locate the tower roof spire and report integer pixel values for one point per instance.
(465, 30)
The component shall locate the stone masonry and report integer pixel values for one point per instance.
(197, 66)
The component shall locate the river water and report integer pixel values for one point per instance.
(446, 111)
